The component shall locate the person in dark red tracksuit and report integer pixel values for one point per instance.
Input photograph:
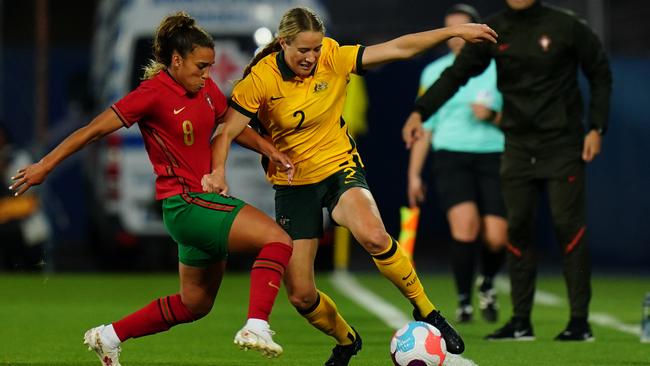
(538, 55)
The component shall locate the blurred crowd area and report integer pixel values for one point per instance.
(52, 65)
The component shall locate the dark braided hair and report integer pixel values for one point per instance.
(177, 32)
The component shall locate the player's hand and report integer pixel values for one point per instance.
(31, 175)
(591, 146)
(215, 182)
(283, 163)
(474, 33)
(481, 112)
(412, 129)
(416, 191)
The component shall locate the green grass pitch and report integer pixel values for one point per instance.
(43, 318)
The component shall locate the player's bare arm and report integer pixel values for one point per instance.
(409, 45)
(253, 141)
(234, 124)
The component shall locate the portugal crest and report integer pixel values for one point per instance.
(544, 42)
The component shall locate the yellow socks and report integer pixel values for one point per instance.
(396, 266)
(324, 317)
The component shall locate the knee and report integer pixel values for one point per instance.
(375, 240)
(465, 236)
(465, 230)
(495, 241)
(277, 234)
(303, 300)
(199, 306)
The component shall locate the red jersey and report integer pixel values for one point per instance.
(176, 127)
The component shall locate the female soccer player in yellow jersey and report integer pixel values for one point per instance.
(295, 88)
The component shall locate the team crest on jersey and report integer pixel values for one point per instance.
(209, 100)
(320, 86)
(545, 42)
(284, 222)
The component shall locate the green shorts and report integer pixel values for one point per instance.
(299, 209)
(200, 224)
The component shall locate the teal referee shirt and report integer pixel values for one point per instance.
(454, 126)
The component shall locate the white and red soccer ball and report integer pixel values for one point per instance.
(417, 344)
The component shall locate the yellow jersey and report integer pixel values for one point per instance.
(303, 115)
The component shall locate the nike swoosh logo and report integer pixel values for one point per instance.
(519, 333)
(504, 46)
(177, 111)
(407, 276)
(274, 285)
(276, 98)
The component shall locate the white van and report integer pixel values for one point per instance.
(122, 177)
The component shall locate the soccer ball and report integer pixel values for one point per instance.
(417, 344)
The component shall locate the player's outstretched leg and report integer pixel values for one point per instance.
(396, 266)
(266, 276)
(108, 354)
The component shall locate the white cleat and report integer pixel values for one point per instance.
(109, 356)
(260, 340)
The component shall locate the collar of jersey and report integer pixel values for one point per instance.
(285, 70)
(167, 79)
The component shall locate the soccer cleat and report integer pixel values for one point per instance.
(109, 356)
(452, 339)
(487, 302)
(464, 313)
(577, 330)
(259, 340)
(514, 330)
(341, 355)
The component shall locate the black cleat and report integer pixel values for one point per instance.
(514, 330)
(487, 302)
(577, 330)
(341, 355)
(452, 339)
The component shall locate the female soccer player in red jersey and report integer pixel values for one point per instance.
(177, 108)
(296, 87)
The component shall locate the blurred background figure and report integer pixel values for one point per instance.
(24, 228)
(540, 52)
(468, 145)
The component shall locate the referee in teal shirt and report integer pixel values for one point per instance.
(468, 145)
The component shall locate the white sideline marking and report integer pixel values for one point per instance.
(606, 320)
(394, 318)
(602, 319)
(388, 313)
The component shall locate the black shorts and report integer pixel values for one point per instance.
(462, 177)
(299, 209)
